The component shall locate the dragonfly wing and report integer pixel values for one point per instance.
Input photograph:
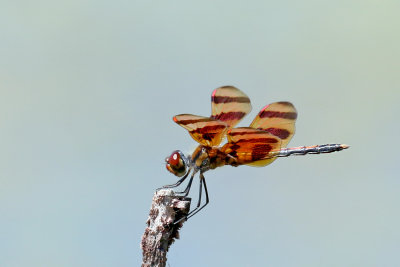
(206, 131)
(252, 146)
(279, 119)
(229, 104)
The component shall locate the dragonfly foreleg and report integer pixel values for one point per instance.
(187, 189)
(177, 183)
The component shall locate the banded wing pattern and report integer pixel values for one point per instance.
(250, 145)
(279, 119)
(229, 104)
(206, 131)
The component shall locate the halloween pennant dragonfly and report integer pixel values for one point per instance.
(257, 145)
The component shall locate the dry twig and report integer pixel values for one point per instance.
(161, 231)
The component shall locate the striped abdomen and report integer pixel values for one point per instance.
(318, 149)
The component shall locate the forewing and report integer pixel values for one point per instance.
(252, 146)
(229, 104)
(206, 131)
(279, 119)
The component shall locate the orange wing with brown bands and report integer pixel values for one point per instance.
(279, 119)
(229, 104)
(251, 146)
(206, 131)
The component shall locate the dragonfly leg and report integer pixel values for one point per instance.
(198, 208)
(177, 183)
(187, 189)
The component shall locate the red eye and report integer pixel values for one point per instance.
(174, 159)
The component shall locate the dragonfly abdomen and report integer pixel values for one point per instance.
(318, 149)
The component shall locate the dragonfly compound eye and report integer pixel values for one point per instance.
(175, 164)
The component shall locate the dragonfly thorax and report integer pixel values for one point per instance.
(207, 158)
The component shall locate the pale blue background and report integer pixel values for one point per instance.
(87, 93)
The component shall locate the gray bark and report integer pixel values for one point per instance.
(161, 231)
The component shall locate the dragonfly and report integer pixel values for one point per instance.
(258, 145)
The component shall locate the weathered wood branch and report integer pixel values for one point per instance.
(161, 231)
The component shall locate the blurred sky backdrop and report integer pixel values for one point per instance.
(87, 93)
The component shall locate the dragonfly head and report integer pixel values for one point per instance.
(176, 163)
